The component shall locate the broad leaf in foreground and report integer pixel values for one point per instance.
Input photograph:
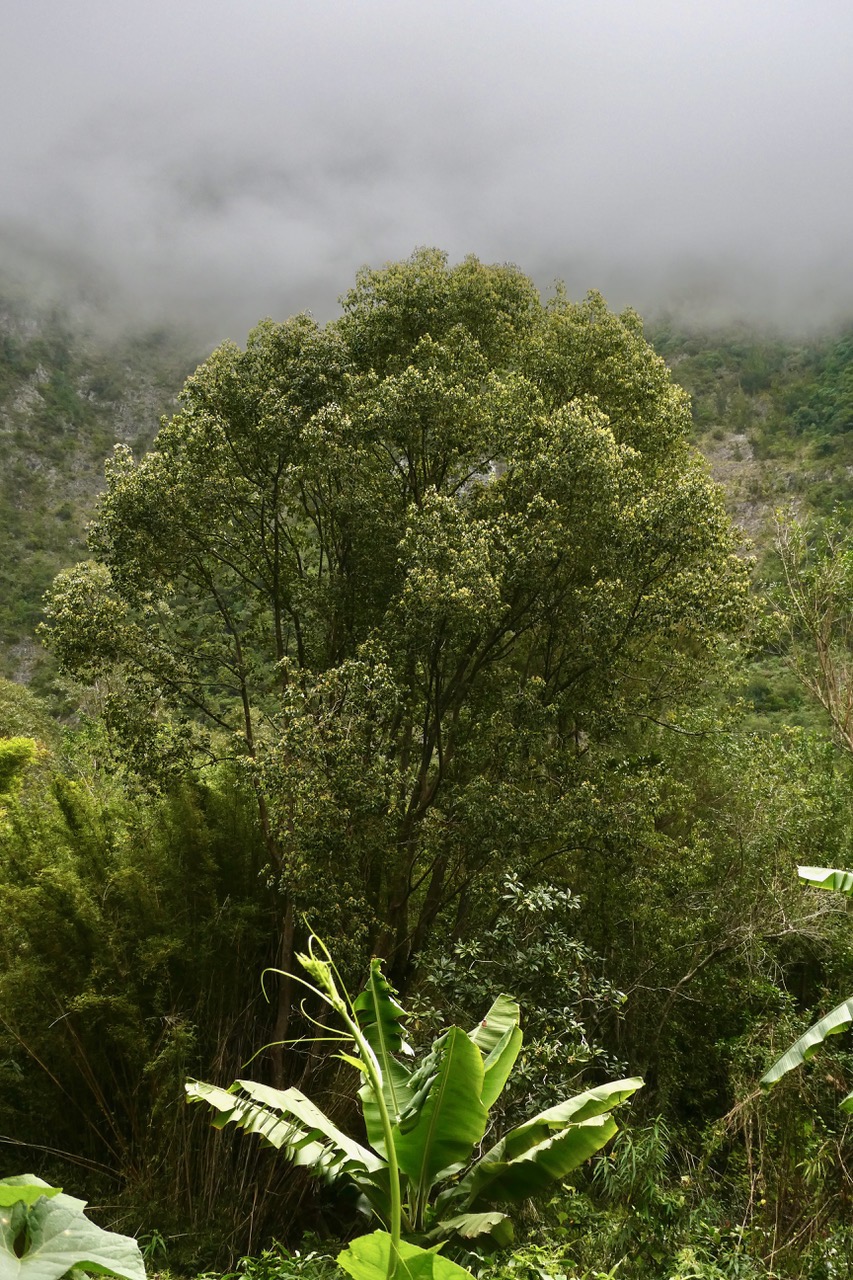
(48, 1239)
(574, 1111)
(497, 1178)
(499, 1064)
(368, 1258)
(499, 1039)
(501, 1018)
(381, 1016)
(397, 1093)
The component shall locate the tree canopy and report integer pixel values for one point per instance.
(418, 567)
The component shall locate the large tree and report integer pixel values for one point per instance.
(420, 567)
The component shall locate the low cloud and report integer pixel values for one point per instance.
(208, 165)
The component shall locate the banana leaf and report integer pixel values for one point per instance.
(446, 1116)
(499, 1039)
(827, 878)
(543, 1148)
(380, 1017)
(367, 1258)
(374, 1194)
(501, 1018)
(289, 1121)
(496, 1178)
(834, 1022)
(497, 1227)
(583, 1106)
(499, 1064)
(397, 1091)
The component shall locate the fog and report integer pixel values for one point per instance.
(211, 163)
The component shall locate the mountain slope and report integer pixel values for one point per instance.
(66, 397)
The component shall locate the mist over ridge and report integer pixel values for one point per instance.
(184, 164)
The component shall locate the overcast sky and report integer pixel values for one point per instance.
(220, 162)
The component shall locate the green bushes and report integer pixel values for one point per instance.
(127, 926)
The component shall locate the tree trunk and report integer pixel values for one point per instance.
(284, 996)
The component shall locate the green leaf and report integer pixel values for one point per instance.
(496, 1178)
(367, 1258)
(381, 1016)
(834, 1022)
(501, 1018)
(375, 1196)
(54, 1236)
(25, 1188)
(499, 1064)
(846, 1104)
(446, 1116)
(395, 1082)
(357, 1063)
(583, 1106)
(543, 1149)
(289, 1121)
(499, 1038)
(827, 878)
(472, 1226)
(381, 1019)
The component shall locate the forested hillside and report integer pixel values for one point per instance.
(773, 415)
(68, 393)
(430, 631)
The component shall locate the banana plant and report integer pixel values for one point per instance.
(839, 1018)
(423, 1173)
